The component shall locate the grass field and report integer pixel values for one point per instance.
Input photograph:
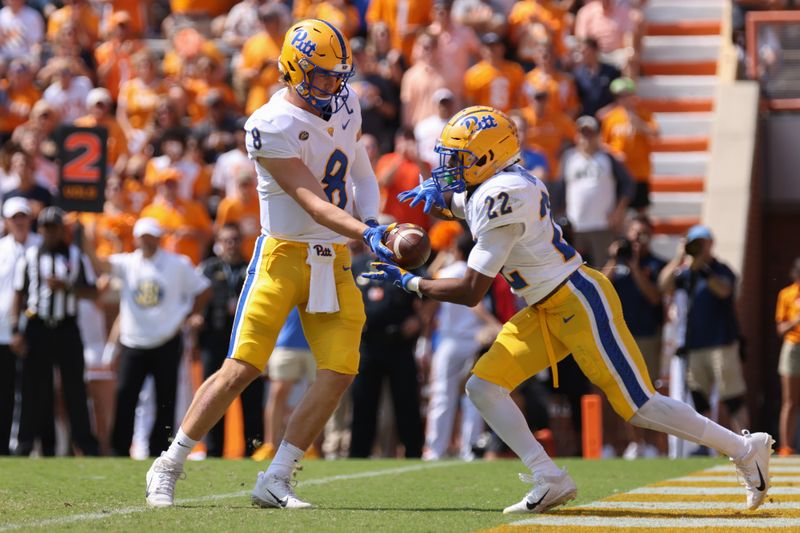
(371, 495)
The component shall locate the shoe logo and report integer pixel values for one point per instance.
(281, 502)
(532, 506)
(344, 126)
(568, 318)
(346, 268)
(763, 485)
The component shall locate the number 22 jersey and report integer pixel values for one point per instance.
(281, 130)
(540, 259)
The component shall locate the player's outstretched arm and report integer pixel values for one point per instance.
(468, 290)
(294, 177)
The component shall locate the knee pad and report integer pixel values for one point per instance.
(734, 404)
(479, 390)
(700, 402)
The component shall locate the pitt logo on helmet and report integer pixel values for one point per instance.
(303, 44)
(474, 123)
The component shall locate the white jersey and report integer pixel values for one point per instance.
(539, 258)
(156, 297)
(281, 130)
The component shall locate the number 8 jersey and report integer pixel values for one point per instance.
(281, 130)
(539, 258)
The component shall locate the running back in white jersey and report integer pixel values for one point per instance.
(281, 130)
(540, 259)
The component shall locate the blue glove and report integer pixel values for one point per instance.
(393, 273)
(428, 191)
(371, 222)
(373, 238)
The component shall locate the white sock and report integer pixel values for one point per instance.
(180, 448)
(505, 418)
(286, 458)
(669, 415)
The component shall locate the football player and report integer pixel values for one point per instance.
(304, 146)
(571, 309)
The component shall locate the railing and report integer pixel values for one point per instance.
(773, 56)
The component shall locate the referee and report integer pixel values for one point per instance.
(48, 281)
(160, 292)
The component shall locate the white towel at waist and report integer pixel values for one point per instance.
(322, 297)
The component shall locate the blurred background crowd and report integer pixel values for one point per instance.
(173, 81)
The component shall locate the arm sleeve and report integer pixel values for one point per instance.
(366, 196)
(626, 188)
(493, 247)
(457, 205)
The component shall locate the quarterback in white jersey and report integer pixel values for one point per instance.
(304, 146)
(571, 309)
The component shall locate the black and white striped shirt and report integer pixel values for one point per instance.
(66, 263)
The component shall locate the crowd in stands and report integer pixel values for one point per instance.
(173, 82)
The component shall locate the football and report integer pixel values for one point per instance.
(409, 244)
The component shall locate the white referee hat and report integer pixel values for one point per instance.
(147, 226)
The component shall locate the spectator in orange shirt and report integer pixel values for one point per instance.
(629, 130)
(341, 13)
(194, 182)
(114, 57)
(533, 21)
(258, 71)
(137, 10)
(20, 96)
(208, 77)
(548, 131)
(404, 18)
(113, 228)
(420, 82)
(400, 171)
(546, 77)
(787, 318)
(186, 224)
(242, 209)
(494, 81)
(138, 98)
(98, 105)
(87, 23)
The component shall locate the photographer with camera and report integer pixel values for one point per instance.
(711, 343)
(633, 270)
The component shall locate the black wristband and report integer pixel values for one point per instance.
(14, 329)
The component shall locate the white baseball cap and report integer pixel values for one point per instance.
(442, 94)
(15, 206)
(98, 95)
(147, 226)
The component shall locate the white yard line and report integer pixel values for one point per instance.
(773, 468)
(683, 506)
(732, 479)
(677, 522)
(87, 517)
(709, 490)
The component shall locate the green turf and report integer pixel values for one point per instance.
(446, 497)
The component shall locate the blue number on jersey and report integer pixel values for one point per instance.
(566, 251)
(333, 182)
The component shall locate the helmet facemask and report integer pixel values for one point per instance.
(453, 162)
(320, 98)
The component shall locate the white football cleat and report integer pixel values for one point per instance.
(547, 492)
(161, 479)
(275, 492)
(753, 467)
